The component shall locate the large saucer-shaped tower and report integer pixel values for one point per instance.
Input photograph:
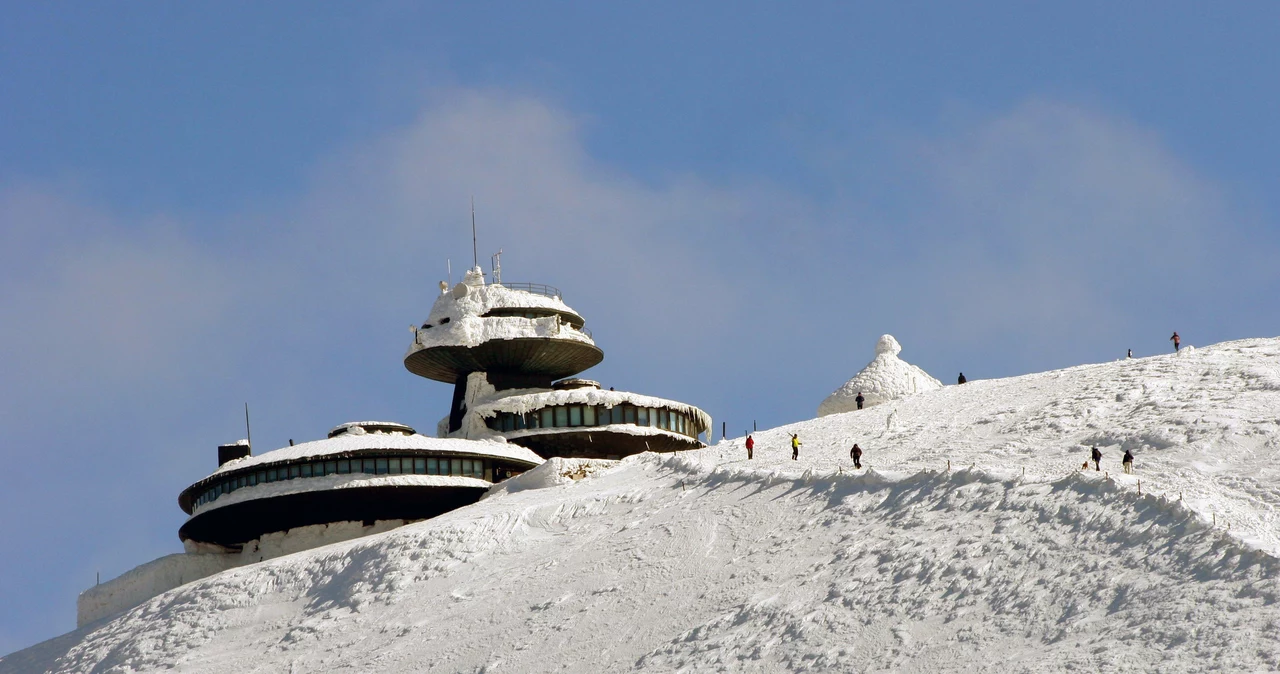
(503, 346)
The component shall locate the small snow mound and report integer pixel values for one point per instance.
(553, 473)
(887, 344)
(885, 378)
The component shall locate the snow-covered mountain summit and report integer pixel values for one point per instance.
(887, 377)
(973, 542)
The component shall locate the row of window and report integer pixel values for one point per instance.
(562, 416)
(382, 465)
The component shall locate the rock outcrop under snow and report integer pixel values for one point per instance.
(887, 377)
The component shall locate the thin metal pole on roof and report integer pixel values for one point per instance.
(248, 435)
(475, 256)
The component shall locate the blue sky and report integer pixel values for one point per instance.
(203, 205)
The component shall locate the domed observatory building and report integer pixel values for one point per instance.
(366, 472)
(887, 377)
(504, 346)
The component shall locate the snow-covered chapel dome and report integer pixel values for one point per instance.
(885, 378)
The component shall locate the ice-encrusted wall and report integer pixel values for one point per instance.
(201, 560)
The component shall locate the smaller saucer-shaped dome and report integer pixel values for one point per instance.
(885, 378)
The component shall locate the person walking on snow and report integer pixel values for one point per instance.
(751, 444)
(1177, 341)
(1127, 461)
(961, 380)
(1097, 459)
(795, 447)
(1130, 354)
(856, 455)
(859, 400)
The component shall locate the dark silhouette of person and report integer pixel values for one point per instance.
(751, 444)
(961, 380)
(856, 455)
(860, 400)
(1127, 461)
(1177, 341)
(1130, 354)
(1097, 459)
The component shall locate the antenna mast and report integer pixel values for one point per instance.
(475, 257)
(248, 435)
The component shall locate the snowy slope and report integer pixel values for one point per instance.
(705, 562)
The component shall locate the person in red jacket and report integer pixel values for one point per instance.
(751, 444)
(1177, 341)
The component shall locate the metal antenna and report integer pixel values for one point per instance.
(475, 257)
(448, 264)
(248, 435)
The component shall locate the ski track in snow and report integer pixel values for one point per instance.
(703, 561)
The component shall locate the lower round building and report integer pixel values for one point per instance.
(363, 472)
(576, 418)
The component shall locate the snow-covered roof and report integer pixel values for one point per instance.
(359, 427)
(528, 402)
(474, 331)
(348, 442)
(458, 316)
(331, 482)
(885, 378)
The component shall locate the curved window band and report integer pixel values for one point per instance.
(415, 464)
(569, 416)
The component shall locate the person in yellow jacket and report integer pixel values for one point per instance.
(795, 446)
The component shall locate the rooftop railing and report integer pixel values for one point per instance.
(536, 288)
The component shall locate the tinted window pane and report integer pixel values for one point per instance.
(630, 414)
(306, 470)
(344, 467)
(271, 475)
(642, 416)
(295, 471)
(455, 467)
(420, 466)
(562, 416)
(589, 416)
(369, 466)
(546, 418)
(393, 466)
(380, 466)
(330, 467)
(575, 415)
